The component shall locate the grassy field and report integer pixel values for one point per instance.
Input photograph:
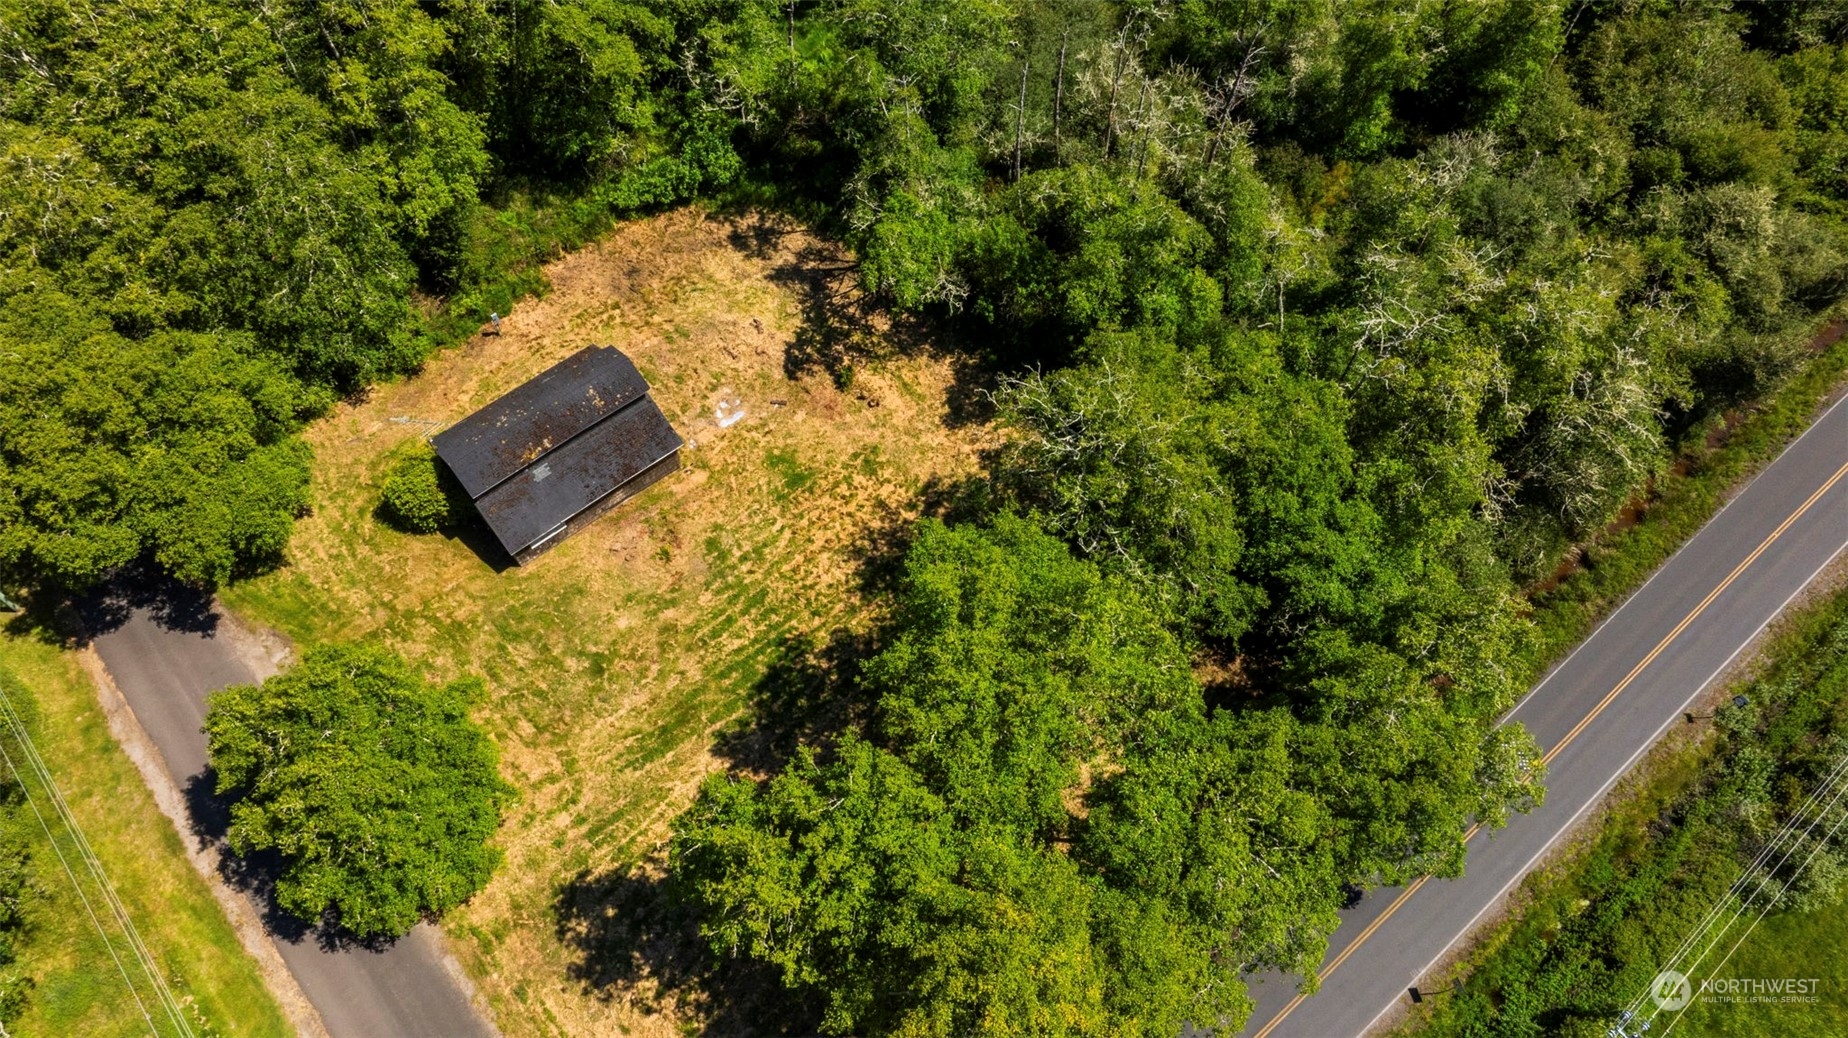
(79, 989)
(614, 659)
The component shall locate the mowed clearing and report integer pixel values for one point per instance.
(612, 660)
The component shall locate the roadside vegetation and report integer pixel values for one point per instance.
(1312, 334)
(62, 978)
(1715, 458)
(1595, 931)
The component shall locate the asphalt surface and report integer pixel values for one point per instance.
(1657, 653)
(165, 661)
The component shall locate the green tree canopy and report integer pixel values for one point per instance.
(374, 786)
(1044, 829)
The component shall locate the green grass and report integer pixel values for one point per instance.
(789, 470)
(1812, 944)
(78, 988)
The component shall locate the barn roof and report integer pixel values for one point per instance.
(533, 503)
(549, 449)
(519, 428)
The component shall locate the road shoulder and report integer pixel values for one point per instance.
(1572, 845)
(140, 749)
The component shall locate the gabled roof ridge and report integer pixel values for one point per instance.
(646, 394)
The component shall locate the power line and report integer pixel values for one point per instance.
(1720, 903)
(94, 866)
(1765, 869)
(1832, 788)
(1769, 904)
(78, 887)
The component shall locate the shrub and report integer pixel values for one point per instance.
(417, 497)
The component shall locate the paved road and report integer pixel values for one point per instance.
(1596, 714)
(164, 665)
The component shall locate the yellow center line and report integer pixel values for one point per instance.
(1349, 950)
(1694, 615)
(1361, 938)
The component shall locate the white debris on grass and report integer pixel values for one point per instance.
(729, 412)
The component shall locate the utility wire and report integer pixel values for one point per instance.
(1832, 787)
(174, 1010)
(78, 887)
(1814, 850)
(1766, 871)
(1699, 932)
(94, 866)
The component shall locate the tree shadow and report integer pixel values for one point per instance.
(760, 234)
(255, 875)
(172, 605)
(841, 324)
(634, 942)
(466, 527)
(807, 696)
(75, 618)
(47, 619)
(843, 327)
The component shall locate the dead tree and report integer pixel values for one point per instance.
(1224, 99)
(1020, 114)
(1058, 105)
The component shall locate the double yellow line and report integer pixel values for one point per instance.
(1404, 896)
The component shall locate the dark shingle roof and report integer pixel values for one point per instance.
(577, 475)
(501, 439)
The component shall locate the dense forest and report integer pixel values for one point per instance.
(1324, 327)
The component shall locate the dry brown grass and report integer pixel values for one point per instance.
(613, 659)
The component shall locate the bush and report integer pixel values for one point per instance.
(417, 497)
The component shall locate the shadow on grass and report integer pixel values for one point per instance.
(842, 327)
(634, 941)
(807, 696)
(629, 937)
(462, 521)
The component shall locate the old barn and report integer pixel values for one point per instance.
(549, 457)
